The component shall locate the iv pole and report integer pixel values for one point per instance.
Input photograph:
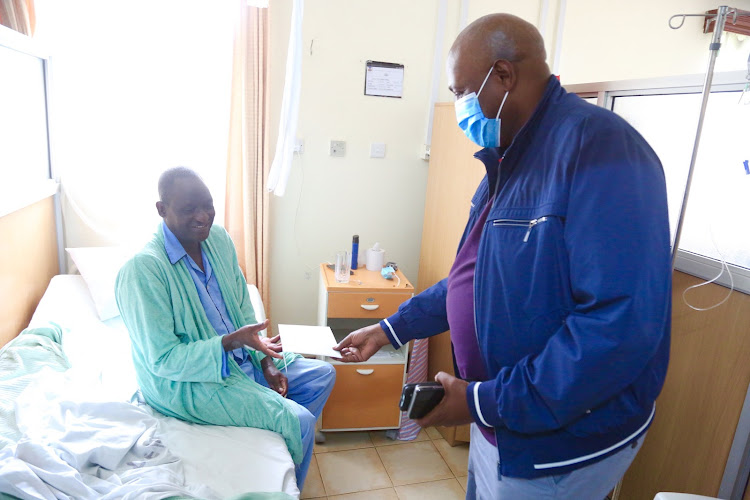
(720, 19)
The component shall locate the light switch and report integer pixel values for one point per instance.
(377, 150)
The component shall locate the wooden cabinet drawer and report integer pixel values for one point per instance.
(364, 396)
(364, 305)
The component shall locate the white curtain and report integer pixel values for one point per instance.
(136, 87)
(282, 160)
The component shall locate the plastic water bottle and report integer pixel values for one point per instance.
(355, 250)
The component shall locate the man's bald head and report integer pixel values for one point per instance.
(500, 36)
(168, 177)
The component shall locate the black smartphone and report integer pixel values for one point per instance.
(406, 393)
(419, 399)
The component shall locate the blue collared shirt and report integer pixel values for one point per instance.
(208, 292)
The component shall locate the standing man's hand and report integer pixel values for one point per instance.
(453, 409)
(358, 346)
(277, 381)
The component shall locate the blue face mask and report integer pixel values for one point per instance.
(483, 131)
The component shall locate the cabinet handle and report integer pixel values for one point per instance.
(371, 307)
(362, 371)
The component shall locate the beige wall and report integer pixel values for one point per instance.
(616, 40)
(330, 199)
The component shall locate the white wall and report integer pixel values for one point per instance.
(330, 199)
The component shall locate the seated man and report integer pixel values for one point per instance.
(186, 305)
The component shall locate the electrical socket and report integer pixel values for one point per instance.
(338, 148)
(424, 152)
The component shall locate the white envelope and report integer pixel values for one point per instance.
(310, 340)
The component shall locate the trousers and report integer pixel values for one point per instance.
(310, 383)
(592, 482)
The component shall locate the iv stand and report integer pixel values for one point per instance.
(720, 20)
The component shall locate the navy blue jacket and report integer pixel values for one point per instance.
(572, 289)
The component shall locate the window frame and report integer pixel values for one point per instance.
(50, 186)
(606, 92)
(12, 40)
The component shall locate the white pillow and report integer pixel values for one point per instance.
(99, 267)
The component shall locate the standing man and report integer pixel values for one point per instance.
(196, 349)
(558, 301)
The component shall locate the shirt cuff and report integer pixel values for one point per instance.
(479, 414)
(224, 365)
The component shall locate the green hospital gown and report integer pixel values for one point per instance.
(177, 353)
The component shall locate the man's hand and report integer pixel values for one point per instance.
(247, 336)
(360, 345)
(453, 409)
(276, 380)
(273, 344)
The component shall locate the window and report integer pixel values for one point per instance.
(719, 201)
(134, 91)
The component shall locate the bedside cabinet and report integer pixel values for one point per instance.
(366, 395)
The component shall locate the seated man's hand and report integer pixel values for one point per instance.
(276, 380)
(248, 336)
(273, 344)
(360, 345)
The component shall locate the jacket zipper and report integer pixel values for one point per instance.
(476, 329)
(521, 223)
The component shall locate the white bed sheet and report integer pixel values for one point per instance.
(229, 460)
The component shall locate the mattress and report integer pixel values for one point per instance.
(229, 460)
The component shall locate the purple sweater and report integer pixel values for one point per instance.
(460, 308)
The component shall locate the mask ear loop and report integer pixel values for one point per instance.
(501, 105)
(485, 80)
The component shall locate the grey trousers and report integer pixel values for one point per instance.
(592, 482)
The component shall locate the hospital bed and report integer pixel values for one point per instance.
(211, 461)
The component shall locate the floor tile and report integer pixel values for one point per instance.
(379, 438)
(386, 494)
(433, 433)
(462, 481)
(339, 441)
(448, 489)
(457, 457)
(414, 463)
(352, 470)
(313, 483)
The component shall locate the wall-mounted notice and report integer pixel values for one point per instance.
(384, 79)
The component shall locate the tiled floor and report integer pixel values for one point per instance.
(369, 466)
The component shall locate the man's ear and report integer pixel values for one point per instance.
(506, 73)
(161, 208)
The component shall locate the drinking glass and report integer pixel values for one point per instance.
(343, 266)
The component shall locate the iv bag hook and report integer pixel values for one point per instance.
(731, 12)
(683, 16)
